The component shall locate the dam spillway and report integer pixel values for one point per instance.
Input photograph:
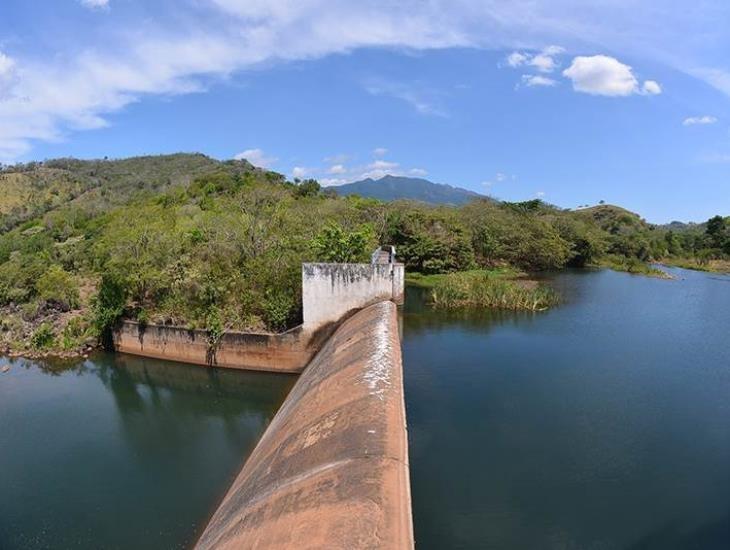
(331, 470)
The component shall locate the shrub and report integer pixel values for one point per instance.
(108, 307)
(278, 310)
(74, 333)
(43, 337)
(58, 287)
(334, 244)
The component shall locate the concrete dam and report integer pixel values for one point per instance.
(331, 470)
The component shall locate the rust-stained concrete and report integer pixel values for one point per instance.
(330, 293)
(331, 471)
(286, 352)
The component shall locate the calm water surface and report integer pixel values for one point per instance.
(602, 424)
(123, 452)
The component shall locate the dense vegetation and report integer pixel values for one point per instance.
(189, 240)
(484, 289)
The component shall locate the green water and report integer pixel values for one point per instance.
(602, 424)
(123, 452)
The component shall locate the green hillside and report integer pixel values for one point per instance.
(193, 241)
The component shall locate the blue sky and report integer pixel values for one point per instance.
(622, 101)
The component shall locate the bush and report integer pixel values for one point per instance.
(43, 337)
(74, 333)
(278, 310)
(334, 244)
(108, 307)
(58, 287)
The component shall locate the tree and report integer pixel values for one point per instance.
(334, 244)
(308, 188)
(717, 231)
(58, 287)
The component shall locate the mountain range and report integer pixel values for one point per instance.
(389, 188)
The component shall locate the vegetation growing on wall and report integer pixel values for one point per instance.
(188, 240)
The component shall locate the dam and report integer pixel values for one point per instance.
(331, 470)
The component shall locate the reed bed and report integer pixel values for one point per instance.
(480, 290)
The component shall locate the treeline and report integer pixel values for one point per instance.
(222, 249)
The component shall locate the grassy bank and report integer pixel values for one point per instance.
(430, 281)
(633, 266)
(483, 289)
(710, 266)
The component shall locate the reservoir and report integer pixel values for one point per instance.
(601, 424)
(123, 452)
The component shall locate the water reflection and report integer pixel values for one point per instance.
(122, 452)
(600, 424)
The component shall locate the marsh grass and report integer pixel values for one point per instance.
(483, 290)
(633, 266)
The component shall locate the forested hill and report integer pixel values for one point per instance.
(197, 242)
(389, 188)
(33, 189)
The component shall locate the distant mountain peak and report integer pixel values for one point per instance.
(390, 187)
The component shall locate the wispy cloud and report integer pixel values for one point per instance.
(416, 95)
(257, 157)
(95, 4)
(544, 61)
(699, 120)
(532, 80)
(214, 38)
(341, 173)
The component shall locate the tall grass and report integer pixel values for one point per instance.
(478, 289)
(633, 266)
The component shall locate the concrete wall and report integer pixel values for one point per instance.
(286, 352)
(331, 471)
(399, 284)
(331, 291)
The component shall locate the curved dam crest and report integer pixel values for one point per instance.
(331, 470)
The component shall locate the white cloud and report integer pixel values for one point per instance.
(299, 172)
(339, 174)
(703, 120)
(540, 194)
(499, 177)
(95, 4)
(544, 61)
(380, 151)
(6, 64)
(532, 80)
(516, 59)
(382, 165)
(77, 87)
(256, 157)
(651, 87)
(606, 76)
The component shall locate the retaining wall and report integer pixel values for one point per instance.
(286, 352)
(331, 470)
(330, 293)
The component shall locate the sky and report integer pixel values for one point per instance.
(574, 102)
